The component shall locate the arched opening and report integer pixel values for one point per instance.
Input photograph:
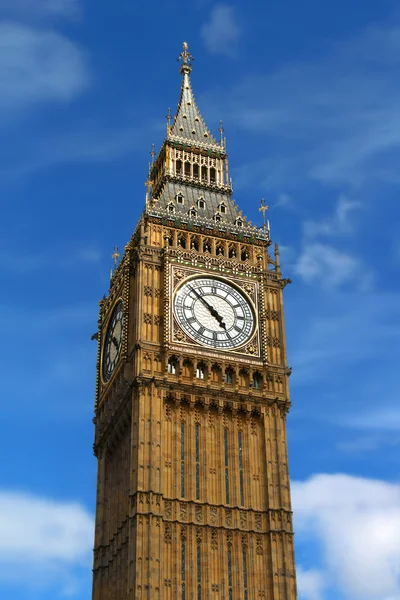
(220, 250)
(206, 245)
(244, 379)
(182, 241)
(187, 169)
(216, 373)
(257, 381)
(178, 167)
(172, 365)
(194, 244)
(201, 370)
(204, 173)
(195, 171)
(245, 254)
(212, 175)
(228, 375)
(187, 368)
(232, 251)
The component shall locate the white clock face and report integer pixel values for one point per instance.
(214, 313)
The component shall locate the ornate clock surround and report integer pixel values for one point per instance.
(178, 339)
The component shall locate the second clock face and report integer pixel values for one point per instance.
(113, 341)
(214, 313)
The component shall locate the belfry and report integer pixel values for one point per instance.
(193, 493)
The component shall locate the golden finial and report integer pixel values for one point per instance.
(115, 256)
(169, 118)
(263, 208)
(152, 153)
(186, 59)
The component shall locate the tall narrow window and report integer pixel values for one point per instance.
(230, 584)
(245, 575)
(198, 572)
(182, 460)
(183, 552)
(226, 466)
(241, 468)
(197, 461)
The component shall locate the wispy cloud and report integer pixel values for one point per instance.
(38, 66)
(40, 8)
(332, 267)
(222, 32)
(310, 583)
(69, 256)
(356, 522)
(340, 331)
(43, 541)
(336, 116)
(341, 222)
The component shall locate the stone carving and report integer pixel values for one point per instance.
(168, 412)
(259, 545)
(183, 508)
(168, 509)
(199, 514)
(228, 517)
(168, 533)
(214, 540)
(213, 514)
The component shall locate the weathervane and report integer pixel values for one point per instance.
(186, 59)
(263, 208)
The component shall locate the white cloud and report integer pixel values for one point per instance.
(40, 8)
(356, 522)
(38, 66)
(331, 267)
(339, 223)
(386, 418)
(310, 583)
(222, 32)
(44, 538)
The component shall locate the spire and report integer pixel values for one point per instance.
(189, 123)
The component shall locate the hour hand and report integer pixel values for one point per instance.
(115, 341)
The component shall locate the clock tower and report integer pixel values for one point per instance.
(193, 497)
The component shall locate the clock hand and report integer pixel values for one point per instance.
(115, 342)
(212, 310)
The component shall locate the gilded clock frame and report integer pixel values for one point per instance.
(104, 336)
(178, 339)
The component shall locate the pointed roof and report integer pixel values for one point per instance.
(189, 123)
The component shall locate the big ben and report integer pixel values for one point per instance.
(192, 395)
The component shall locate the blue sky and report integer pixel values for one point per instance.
(309, 95)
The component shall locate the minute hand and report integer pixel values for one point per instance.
(212, 310)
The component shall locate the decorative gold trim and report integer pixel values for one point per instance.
(226, 281)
